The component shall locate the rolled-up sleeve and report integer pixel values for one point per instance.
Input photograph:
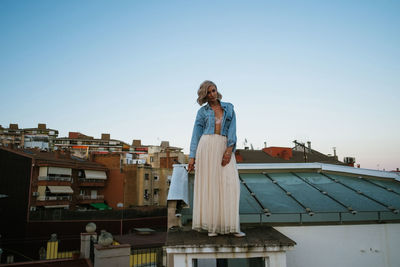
(232, 132)
(198, 130)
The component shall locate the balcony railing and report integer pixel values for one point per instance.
(55, 178)
(84, 197)
(56, 198)
(85, 180)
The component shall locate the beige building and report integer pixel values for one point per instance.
(141, 176)
(164, 156)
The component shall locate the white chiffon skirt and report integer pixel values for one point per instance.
(216, 188)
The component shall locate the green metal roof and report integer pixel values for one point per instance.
(297, 195)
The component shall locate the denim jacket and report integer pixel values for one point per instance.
(205, 124)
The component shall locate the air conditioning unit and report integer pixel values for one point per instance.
(35, 194)
(33, 208)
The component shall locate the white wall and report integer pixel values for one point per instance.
(370, 245)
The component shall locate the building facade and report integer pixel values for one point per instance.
(132, 184)
(40, 137)
(82, 145)
(50, 180)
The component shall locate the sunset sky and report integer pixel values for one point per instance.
(321, 71)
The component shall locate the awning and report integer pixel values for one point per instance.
(60, 189)
(60, 171)
(89, 174)
(100, 206)
(43, 172)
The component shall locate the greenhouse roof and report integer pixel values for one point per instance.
(313, 193)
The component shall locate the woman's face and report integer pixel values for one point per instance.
(212, 94)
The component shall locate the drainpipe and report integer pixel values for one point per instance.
(30, 190)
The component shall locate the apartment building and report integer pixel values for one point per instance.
(132, 183)
(81, 145)
(40, 137)
(37, 180)
(164, 155)
(141, 176)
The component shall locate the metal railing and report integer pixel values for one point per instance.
(146, 257)
(89, 180)
(55, 178)
(57, 198)
(84, 197)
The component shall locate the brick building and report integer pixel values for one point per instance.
(140, 177)
(35, 180)
(300, 153)
(131, 184)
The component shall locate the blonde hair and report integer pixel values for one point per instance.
(203, 91)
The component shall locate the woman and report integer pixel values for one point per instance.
(216, 186)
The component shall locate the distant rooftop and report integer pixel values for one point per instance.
(261, 156)
(58, 158)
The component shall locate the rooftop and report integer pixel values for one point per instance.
(55, 158)
(313, 193)
(256, 235)
(260, 156)
(55, 263)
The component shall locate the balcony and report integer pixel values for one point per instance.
(54, 180)
(53, 200)
(91, 182)
(87, 199)
(57, 198)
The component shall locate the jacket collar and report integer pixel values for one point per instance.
(223, 105)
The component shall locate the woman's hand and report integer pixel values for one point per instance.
(227, 156)
(191, 165)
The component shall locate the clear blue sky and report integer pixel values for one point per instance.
(324, 71)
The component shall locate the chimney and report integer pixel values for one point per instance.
(14, 126)
(136, 143)
(265, 144)
(164, 144)
(309, 146)
(42, 126)
(105, 136)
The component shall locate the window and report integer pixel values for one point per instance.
(156, 178)
(151, 159)
(156, 191)
(146, 176)
(146, 194)
(256, 262)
